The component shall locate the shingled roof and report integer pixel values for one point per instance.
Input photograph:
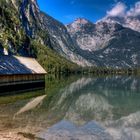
(19, 65)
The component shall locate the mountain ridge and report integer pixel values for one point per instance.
(21, 33)
(101, 42)
(27, 31)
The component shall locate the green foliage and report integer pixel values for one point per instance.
(11, 31)
(51, 61)
(14, 38)
(98, 71)
(13, 34)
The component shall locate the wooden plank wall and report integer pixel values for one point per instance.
(22, 78)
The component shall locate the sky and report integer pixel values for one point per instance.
(66, 11)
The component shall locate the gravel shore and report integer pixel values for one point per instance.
(12, 136)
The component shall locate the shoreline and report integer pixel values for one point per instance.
(12, 136)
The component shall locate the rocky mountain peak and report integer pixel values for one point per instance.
(106, 43)
(108, 26)
(30, 7)
(30, 15)
(128, 21)
(81, 21)
(34, 2)
(80, 24)
(127, 17)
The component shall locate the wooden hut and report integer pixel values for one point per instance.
(20, 73)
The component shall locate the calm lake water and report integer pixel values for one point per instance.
(76, 108)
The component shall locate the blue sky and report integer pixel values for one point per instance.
(68, 10)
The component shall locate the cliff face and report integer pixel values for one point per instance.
(22, 32)
(61, 40)
(107, 43)
(19, 24)
(12, 34)
(41, 26)
(28, 24)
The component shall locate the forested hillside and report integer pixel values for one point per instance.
(26, 38)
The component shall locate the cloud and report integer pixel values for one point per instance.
(118, 10)
(134, 11)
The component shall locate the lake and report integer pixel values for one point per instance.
(75, 108)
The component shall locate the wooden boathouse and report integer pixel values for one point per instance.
(20, 73)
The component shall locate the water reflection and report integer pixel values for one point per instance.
(98, 99)
(66, 130)
(105, 108)
(31, 105)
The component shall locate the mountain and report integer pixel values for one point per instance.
(106, 44)
(27, 31)
(34, 20)
(89, 36)
(20, 24)
(129, 21)
(40, 27)
(126, 16)
(61, 41)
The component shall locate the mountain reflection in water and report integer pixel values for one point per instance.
(102, 108)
